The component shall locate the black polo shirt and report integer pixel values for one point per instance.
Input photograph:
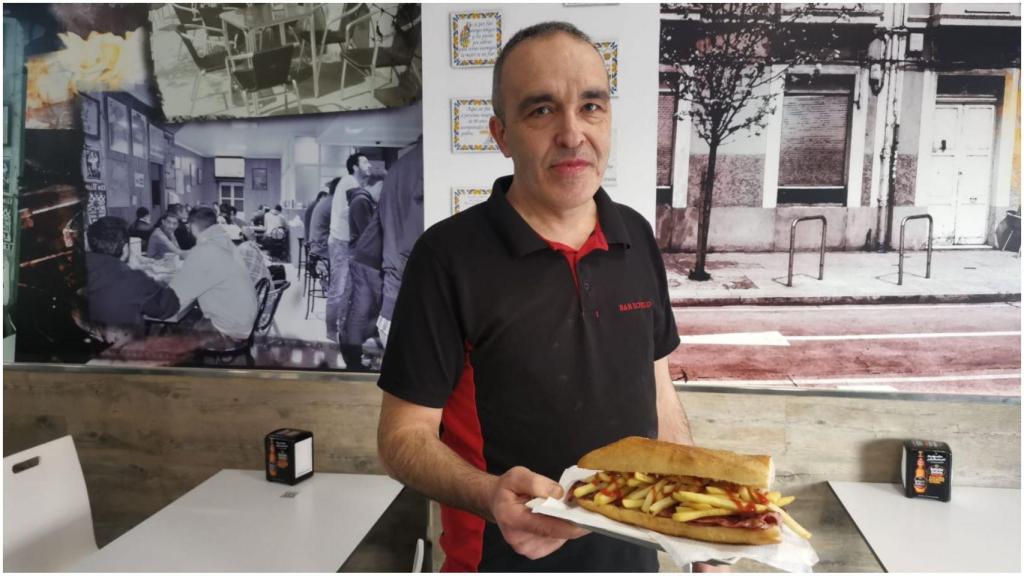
(534, 366)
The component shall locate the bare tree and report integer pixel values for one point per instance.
(726, 58)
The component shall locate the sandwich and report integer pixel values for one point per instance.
(710, 495)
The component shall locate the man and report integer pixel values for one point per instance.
(274, 219)
(217, 278)
(257, 217)
(142, 227)
(248, 253)
(338, 244)
(401, 219)
(119, 297)
(363, 289)
(526, 362)
(162, 241)
(186, 241)
(320, 223)
(308, 213)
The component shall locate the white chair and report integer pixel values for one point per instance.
(47, 518)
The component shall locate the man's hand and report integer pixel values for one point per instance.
(529, 534)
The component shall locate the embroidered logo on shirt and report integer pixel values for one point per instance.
(640, 305)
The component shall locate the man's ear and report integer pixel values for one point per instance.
(498, 133)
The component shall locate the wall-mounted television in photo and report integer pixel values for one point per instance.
(228, 167)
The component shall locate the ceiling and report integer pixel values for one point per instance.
(268, 137)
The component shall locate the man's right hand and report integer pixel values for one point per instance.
(529, 534)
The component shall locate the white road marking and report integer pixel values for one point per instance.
(829, 307)
(775, 338)
(738, 339)
(907, 336)
(853, 380)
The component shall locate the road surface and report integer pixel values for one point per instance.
(936, 348)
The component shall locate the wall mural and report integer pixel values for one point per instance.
(149, 238)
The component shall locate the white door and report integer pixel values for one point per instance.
(961, 169)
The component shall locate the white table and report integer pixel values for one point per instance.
(978, 530)
(238, 522)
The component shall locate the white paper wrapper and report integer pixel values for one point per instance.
(793, 554)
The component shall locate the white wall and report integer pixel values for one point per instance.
(634, 109)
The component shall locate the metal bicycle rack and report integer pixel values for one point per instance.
(792, 246)
(903, 229)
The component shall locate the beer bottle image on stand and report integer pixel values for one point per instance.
(273, 460)
(920, 480)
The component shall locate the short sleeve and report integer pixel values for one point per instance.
(666, 332)
(425, 353)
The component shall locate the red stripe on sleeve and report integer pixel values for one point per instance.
(462, 538)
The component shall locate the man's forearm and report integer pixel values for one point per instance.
(673, 425)
(420, 460)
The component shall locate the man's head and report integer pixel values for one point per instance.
(277, 209)
(553, 113)
(200, 219)
(108, 235)
(168, 223)
(142, 212)
(358, 162)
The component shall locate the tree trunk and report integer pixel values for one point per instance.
(704, 218)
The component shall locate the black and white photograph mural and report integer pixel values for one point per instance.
(254, 60)
(259, 242)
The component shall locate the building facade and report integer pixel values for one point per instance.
(917, 112)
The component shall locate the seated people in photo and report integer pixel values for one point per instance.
(163, 240)
(257, 217)
(119, 296)
(142, 227)
(320, 223)
(248, 253)
(186, 241)
(216, 277)
(274, 219)
(308, 214)
(365, 282)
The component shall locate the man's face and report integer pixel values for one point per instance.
(364, 166)
(557, 125)
(170, 224)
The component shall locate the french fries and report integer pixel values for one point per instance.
(693, 499)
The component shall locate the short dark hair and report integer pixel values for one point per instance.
(353, 162)
(203, 217)
(540, 30)
(278, 208)
(176, 209)
(142, 212)
(108, 235)
(320, 195)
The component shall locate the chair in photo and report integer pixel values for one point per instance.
(392, 52)
(267, 319)
(255, 72)
(194, 21)
(47, 518)
(244, 348)
(214, 61)
(346, 29)
(319, 269)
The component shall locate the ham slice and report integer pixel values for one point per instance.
(757, 522)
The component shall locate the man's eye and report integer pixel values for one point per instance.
(542, 111)
(591, 107)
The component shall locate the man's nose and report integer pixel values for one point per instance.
(570, 131)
